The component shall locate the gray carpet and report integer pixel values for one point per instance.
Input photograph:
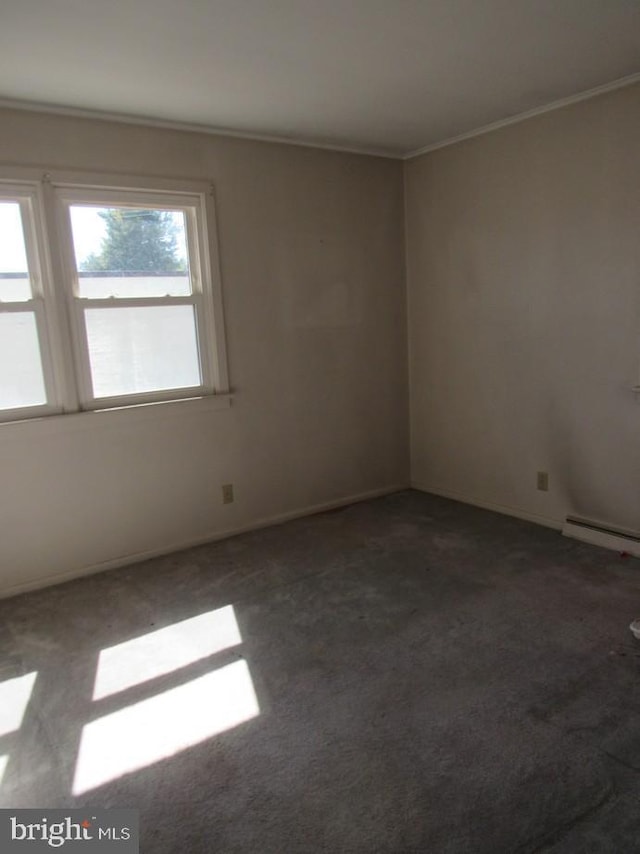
(430, 678)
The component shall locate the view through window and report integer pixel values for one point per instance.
(127, 308)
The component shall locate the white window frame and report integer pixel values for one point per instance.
(60, 309)
(40, 304)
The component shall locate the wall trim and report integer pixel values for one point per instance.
(589, 531)
(190, 127)
(504, 509)
(370, 151)
(528, 114)
(211, 537)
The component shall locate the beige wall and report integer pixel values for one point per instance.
(522, 249)
(313, 274)
(524, 309)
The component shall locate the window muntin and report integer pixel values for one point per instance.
(135, 331)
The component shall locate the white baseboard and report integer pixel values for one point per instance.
(138, 557)
(598, 535)
(505, 509)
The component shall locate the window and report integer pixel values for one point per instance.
(26, 381)
(109, 296)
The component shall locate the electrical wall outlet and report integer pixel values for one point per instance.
(543, 481)
(227, 493)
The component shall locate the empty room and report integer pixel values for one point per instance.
(320, 426)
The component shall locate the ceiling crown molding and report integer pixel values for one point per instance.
(528, 114)
(190, 127)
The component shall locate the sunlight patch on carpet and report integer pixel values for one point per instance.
(165, 650)
(146, 732)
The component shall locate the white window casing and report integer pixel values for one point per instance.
(62, 312)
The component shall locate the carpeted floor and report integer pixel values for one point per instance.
(404, 675)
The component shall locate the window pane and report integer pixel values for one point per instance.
(124, 252)
(21, 380)
(134, 350)
(14, 277)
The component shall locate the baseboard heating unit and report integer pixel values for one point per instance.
(606, 536)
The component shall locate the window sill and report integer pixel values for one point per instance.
(117, 416)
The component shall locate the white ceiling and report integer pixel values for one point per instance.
(390, 76)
